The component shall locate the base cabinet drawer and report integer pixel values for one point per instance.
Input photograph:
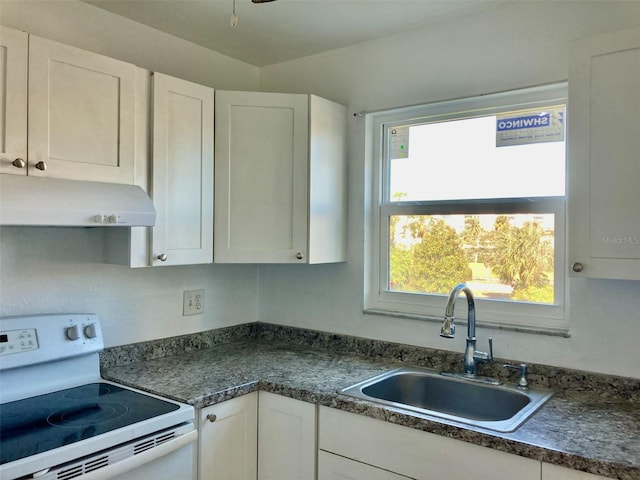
(416, 454)
(334, 467)
(554, 472)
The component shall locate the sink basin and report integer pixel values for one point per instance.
(502, 408)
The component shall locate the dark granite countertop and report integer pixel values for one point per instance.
(584, 430)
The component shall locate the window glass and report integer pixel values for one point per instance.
(460, 159)
(472, 191)
(500, 257)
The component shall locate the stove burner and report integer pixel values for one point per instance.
(46, 422)
(87, 414)
(87, 391)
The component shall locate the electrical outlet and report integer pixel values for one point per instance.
(192, 302)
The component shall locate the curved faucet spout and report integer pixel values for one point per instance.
(448, 330)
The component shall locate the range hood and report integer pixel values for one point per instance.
(40, 201)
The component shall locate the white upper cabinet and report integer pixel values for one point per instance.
(81, 114)
(604, 157)
(13, 101)
(182, 166)
(280, 189)
(174, 164)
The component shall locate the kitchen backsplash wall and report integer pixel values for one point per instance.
(60, 270)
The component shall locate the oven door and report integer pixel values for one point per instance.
(147, 458)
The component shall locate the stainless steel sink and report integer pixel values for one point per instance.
(502, 408)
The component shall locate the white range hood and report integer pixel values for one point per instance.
(38, 201)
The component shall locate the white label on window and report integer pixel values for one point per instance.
(530, 126)
(399, 143)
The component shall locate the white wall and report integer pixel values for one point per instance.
(85, 26)
(513, 46)
(62, 270)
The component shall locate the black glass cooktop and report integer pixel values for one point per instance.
(38, 424)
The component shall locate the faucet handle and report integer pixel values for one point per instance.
(523, 382)
(484, 356)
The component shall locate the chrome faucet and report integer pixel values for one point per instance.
(448, 330)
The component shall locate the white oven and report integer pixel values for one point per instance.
(59, 420)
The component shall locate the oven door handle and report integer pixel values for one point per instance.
(136, 461)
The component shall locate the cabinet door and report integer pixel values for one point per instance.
(554, 472)
(327, 181)
(182, 187)
(81, 114)
(334, 467)
(261, 172)
(286, 438)
(228, 438)
(13, 101)
(604, 167)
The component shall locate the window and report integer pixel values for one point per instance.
(471, 191)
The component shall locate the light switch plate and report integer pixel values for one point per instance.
(192, 302)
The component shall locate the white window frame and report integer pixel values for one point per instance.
(541, 318)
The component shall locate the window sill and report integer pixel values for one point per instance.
(553, 332)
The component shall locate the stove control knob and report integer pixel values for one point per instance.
(90, 331)
(72, 332)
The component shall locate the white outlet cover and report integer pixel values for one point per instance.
(192, 302)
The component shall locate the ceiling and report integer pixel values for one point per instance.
(277, 31)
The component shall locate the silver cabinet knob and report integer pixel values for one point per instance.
(162, 257)
(19, 163)
(577, 267)
(41, 166)
(299, 256)
(211, 417)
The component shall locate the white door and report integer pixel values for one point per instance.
(13, 101)
(261, 190)
(228, 436)
(182, 187)
(604, 166)
(286, 438)
(81, 114)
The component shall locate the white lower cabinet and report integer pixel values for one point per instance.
(264, 437)
(228, 440)
(412, 453)
(286, 438)
(335, 467)
(554, 472)
(270, 437)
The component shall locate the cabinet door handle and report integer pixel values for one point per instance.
(41, 166)
(577, 267)
(299, 255)
(19, 163)
(211, 417)
(162, 257)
